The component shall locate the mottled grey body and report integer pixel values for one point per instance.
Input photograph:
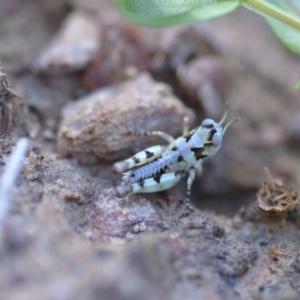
(181, 155)
(160, 167)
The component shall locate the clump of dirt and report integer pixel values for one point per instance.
(275, 201)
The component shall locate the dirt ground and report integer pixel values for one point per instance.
(81, 81)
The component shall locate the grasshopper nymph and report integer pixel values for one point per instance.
(160, 167)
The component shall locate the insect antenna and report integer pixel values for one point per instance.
(229, 123)
(225, 114)
(224, 118)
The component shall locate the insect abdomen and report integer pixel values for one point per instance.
(151, 168)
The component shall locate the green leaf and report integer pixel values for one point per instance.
(174, 12)
(297, 85)
(289, 36)
(282, 16)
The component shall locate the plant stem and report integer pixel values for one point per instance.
(269, 10)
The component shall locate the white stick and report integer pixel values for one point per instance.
(9, 177)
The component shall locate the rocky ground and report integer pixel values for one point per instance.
(78, 81)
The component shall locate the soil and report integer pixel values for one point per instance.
(82, 84)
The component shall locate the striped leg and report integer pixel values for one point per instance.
(190, 180)
(161, 134)
(157, 183)
(145, 156)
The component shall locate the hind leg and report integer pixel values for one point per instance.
(157, 183)
(143, 157)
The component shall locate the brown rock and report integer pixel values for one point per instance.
(73, 47)
(122, 54)
(101, 126)
(122, 218)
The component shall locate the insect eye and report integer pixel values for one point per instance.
(208, 123)
(217, 139)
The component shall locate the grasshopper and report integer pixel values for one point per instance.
(160, 167)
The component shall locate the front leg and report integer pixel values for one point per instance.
(167, 137)
(161, 134)
(157, 183)
(186, 126)
(190, 180)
